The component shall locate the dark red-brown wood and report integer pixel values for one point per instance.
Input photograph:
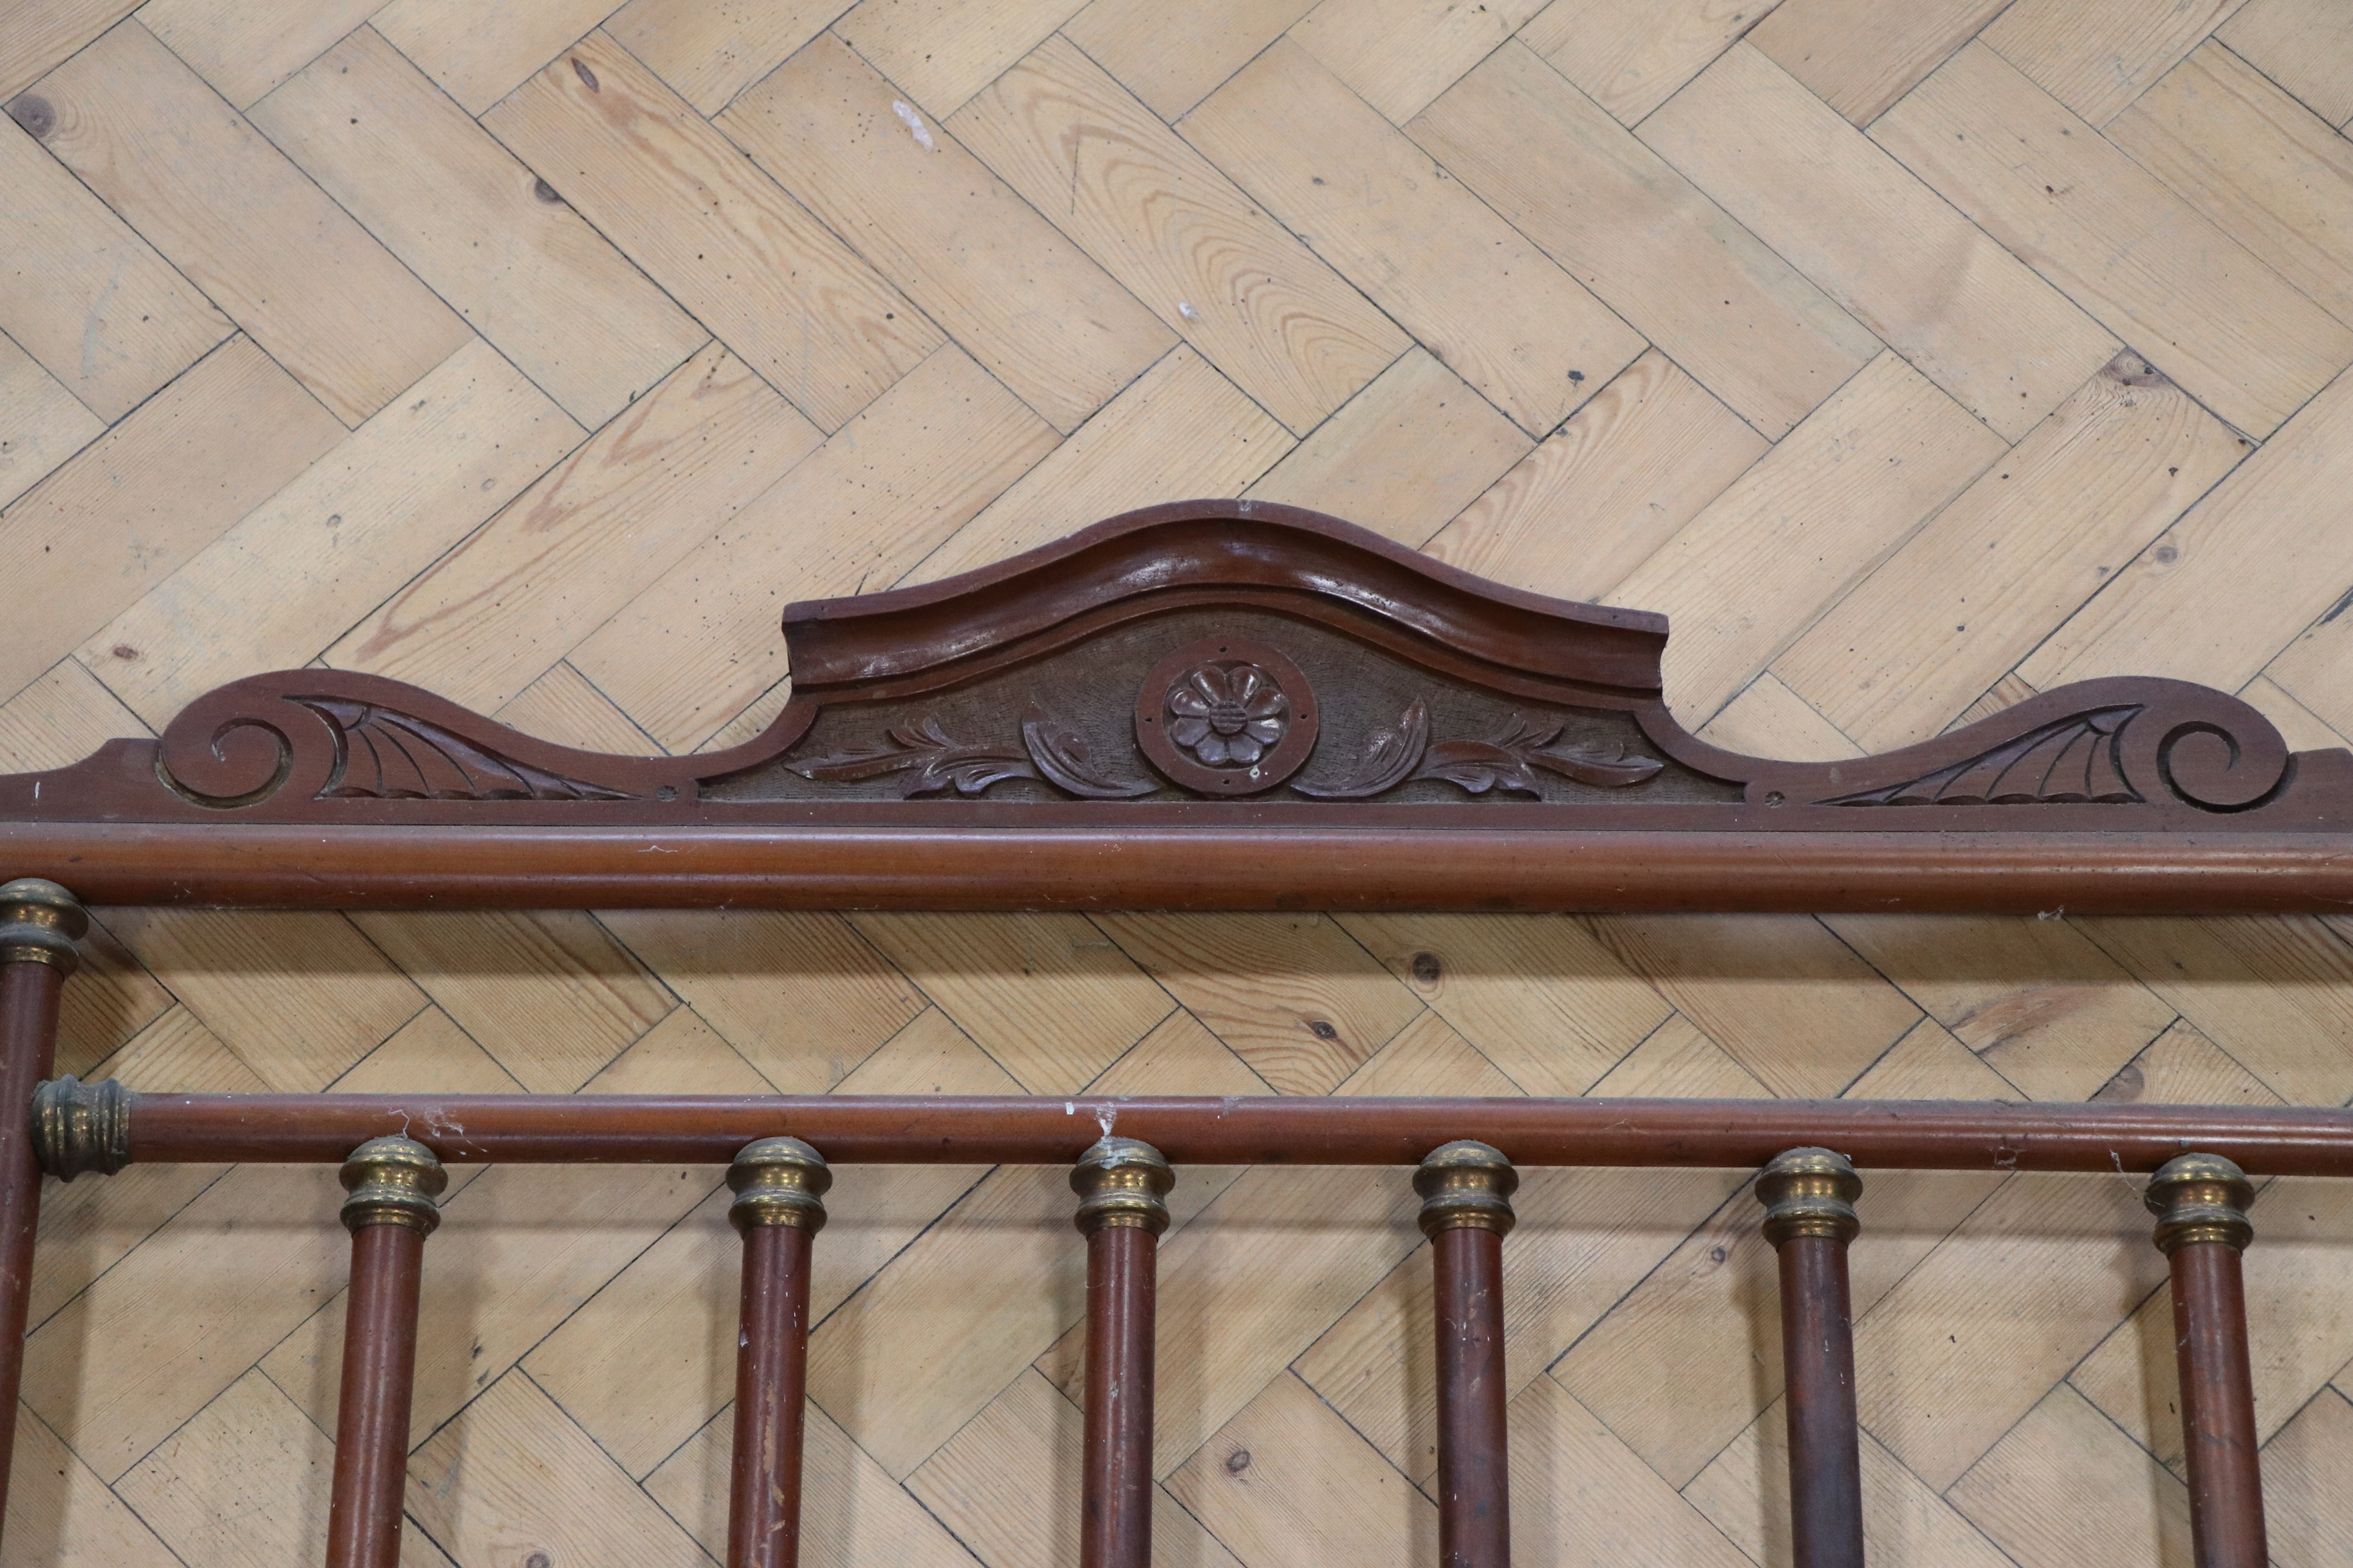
(1002, 740)
(28, 1043)
(1485, 865)
(2218, 1407)
(1115, 1526)
(364, 1516)
(764, 1515)
(1818, 1369)
(1297, 1131)
(1475, 1525)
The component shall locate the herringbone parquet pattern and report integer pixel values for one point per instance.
(1912, 356)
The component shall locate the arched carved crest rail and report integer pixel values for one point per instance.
(1202, 704)
(1211, 705)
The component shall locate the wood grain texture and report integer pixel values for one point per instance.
(554, 297)
(2301, 45)
(1968, 315)
(287, 264)
(1421, 248)
(911, 470)
(1397, 55)
(1631, 58)
(1604, 492)
(2096, 56)
(488, 617)
(773, 284)
(2267, 533)
(41, 423)
(1044, 320)
(388, 500)
(245, 52)
(1859, 57)
(1405, 454)
(1731, 312)
(144, 431)
(2114, 239)
(2254, 161)
(87, 297)
(1874, 462)
(1970, 595)
(1229, 279)
(231, 430)
(1180, 425)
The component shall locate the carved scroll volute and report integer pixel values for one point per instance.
(235, 745)
(2119, 741)
(2207, 747)
(310, 735)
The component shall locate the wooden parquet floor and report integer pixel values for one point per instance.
(1912, 356)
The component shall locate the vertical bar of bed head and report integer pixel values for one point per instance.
(780, 1185)
(1466, 1211)
(1120, 1185)
(2200, 1202)
(393, 1182)
(39, 924)
(1809, 1196)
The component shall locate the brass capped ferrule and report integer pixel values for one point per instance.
(393, 1181)
(79, 1127)
(39, 923)
(1466, 1183)
(1809, 1192)
(779, 1180)
(2198, 1198)
(1121, 1182)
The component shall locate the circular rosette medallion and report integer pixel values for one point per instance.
(1225, 716)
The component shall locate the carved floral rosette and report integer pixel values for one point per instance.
(1211, 656)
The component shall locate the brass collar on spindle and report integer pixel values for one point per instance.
(79, 1127)
(1809, 1192)
(2199, 1198)
(39, 923)
(779, 1180)
(393, 1181)
(1121, 1182)
(1466, 1183)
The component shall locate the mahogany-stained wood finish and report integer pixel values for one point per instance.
(1809, 1219)
(2200, 1200)
(393, 1183)
(1121, 1185)
(780, 1185)
(1924, 1134)
(1208, 704)
(1466, 1211)
(39, 925)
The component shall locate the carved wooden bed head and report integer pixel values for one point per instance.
(1206, 704)
(1202, 704)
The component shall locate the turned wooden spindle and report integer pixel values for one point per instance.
(780, 1185)
(40, 923)
(393, 1182)
(2200, 1202)
(1122, 1184)
(1809, 1196)
(1466, 1211)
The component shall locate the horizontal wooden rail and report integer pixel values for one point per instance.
(959, 865)
(101, 1126)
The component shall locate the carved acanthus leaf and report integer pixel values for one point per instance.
(925, 760)
(1061, 756)
(383, 755)
(2074, 759)
(1388, 759)
(1505, 761)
